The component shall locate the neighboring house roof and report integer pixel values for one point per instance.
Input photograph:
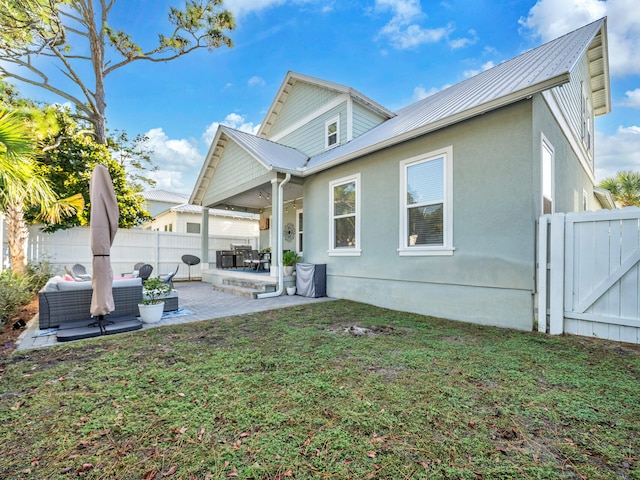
(164, 196)
(545, 67)
(288, 83)
(605, 198)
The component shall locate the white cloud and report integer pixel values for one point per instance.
(420, 92)
(256, 81)
(617, 152)
(633, 98)
(550, 19)
(485, 66)
(464, 41)
(233, 120)
(178, 161)
(403, 30)
(243, 7)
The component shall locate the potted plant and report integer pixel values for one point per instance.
(152, 304)
(289, 260)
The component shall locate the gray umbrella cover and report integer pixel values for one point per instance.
(103, 226)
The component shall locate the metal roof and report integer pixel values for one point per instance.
(545, 67)
(268, 153)
(164, 196)
(534, 71)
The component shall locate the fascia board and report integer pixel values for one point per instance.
(199, 188)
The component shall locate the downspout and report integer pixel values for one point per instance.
(279, 252)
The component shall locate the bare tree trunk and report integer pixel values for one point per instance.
(17, 236)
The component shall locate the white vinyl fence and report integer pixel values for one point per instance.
(162, 250)
(589, 274)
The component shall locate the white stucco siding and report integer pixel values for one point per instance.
(303, 99)
(364, 120)
(490, 276)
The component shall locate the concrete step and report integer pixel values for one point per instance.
(244, 288)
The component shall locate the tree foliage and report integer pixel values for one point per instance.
(625, 188)
(68, 168)
(76, 34)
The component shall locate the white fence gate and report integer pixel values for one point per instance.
(162, 250)
(589, 274)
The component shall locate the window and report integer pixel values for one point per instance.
(193, 227)
(426, 202)
(344, 229)
(168, 227)
(300, 227)
(332, 132)
(585, 200)
(547, 177)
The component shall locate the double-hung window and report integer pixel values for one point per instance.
(344, 205)
(426, 225)
(332, 132)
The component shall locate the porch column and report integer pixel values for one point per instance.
(204, 239)
(275, 226)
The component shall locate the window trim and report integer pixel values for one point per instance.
(299, 232)
(187, 224)
(344, 251)
(447, 247)
(546, 144)
(331, 121)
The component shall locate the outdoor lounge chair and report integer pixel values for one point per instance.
(79, 273)
(169, 278)
(145, 272)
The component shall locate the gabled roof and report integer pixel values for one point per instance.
(271, 154)
(537, 70)
(291, 79)
(543, 68)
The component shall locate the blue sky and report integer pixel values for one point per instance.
(393, 51)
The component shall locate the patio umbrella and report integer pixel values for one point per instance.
(103, 227)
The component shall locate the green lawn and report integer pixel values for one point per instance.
(290, 394)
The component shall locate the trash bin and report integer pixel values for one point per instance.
(311, 279)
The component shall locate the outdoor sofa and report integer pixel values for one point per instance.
(62, 301)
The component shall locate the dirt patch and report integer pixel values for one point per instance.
(9, 335)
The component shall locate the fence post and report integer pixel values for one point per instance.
(543, 269)
(556, 277)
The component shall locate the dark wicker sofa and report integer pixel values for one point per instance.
(63, 301)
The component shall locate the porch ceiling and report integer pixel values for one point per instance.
(258, 199)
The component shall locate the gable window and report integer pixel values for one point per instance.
(426, 204)
(587, 121)
(344, 205)
(332, 132)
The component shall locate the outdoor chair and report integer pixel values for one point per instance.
(136, 269)
(79, 273)
(169, 278)
(145, 272)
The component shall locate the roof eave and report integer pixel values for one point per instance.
(200, 188)
(445, 122)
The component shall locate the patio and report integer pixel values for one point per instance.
(200, 298)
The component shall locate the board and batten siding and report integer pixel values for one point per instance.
(233, 160)
(303, 99)
(364, 120)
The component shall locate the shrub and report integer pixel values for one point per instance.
(15, 291)
(39, 274)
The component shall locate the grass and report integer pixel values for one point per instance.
(290, 394)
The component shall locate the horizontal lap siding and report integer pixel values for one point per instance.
(235, 167)
(364, 120)
(310, 138)
(302, 100)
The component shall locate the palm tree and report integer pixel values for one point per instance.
(21, 186)
(625, 188)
